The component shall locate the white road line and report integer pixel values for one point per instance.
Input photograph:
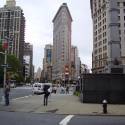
(22, 97)
(66, 120)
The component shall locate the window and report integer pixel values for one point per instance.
(123, 3)
(118, 17)
(118, 4)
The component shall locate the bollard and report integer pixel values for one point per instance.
(104, 102)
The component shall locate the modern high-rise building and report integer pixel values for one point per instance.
(108, 35)
(12, 28)
(28, 61)
(47, 62)
(61, 42)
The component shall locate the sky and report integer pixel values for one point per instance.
(39, 27)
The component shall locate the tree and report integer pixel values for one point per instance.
(14, 67)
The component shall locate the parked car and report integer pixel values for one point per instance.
(28, 84)
(12, 85)
(37, 88)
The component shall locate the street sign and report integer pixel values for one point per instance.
(6, 65)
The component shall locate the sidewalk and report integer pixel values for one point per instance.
(60, 104)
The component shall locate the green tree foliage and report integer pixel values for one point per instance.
(14, 63)
(14, 67)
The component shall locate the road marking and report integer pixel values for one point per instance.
(66, 120)
(22, 97)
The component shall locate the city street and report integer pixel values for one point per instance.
(20, 118)
(18, 92)
(63, 109)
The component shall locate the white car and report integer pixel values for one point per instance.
(12, 85)
(38, 88)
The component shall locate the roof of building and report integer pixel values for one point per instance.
(63, 5)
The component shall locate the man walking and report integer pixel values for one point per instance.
(46, 94)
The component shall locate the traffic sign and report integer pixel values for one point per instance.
(6, 65)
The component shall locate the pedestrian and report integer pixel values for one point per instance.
(55, 89)
(62, 90)
(6, 93)
(67, 90)
(46, 94)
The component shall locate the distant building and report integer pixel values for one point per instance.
(37, 75)
(61, 43)
(12, 28)
(108, 36)
(47, 62)
(28, 61)
(84, 69)
(75, 63)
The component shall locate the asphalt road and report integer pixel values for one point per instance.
(20, 118)
(16, 118)
(18, 92)
(98, 120)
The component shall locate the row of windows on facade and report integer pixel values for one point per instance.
(99, 9)
(100, 22)
(100, 30)
(121, 10)
(103, 6)
(10, 25)
(120, 32)
(100, 64)
(101, 57)
(61, 36)
(98, 17)
(99, 3)
(119, 18)
(15, 28)
(100, 50)
(10, 14)
(103, 20)
(59, 21)
(120, 4)
(100, 43)
(5, 33)
(99, 36)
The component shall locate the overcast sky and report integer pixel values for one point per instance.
(39, 26)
